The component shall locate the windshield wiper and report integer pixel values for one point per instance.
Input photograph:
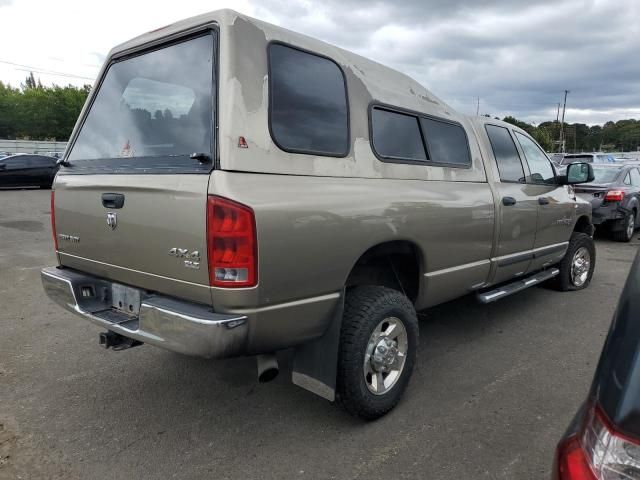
(201, 157)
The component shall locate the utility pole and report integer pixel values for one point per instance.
(478, 107)
(564, 107)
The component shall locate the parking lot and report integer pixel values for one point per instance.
(494, 388)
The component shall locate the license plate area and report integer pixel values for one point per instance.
(125, 299)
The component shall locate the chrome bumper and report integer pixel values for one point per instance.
(165, 322)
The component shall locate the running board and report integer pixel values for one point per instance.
(517, 286)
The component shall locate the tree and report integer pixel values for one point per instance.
(40, 113)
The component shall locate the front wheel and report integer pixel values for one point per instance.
(378, 343)
(576, 268)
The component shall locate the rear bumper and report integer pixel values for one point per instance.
(608, 212)
(184, 327)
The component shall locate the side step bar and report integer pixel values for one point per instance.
(517, 286)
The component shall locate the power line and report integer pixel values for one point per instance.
(45, 71)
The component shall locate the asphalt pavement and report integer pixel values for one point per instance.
(493, 389)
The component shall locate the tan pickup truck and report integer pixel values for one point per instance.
(234, 188)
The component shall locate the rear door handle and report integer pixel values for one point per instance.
(508, 201)
(112, 200)
(543, 201)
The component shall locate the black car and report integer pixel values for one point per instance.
(603, 441)
(615, 198)
(28, 170)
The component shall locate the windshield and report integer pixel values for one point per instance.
(605, 175)
(157, 104)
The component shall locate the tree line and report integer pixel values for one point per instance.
(37, 112)
(620, 136)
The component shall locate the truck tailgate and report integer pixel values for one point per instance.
(156, 240)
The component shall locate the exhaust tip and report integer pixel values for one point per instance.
(267, 368)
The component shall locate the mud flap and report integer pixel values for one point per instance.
(315, 364)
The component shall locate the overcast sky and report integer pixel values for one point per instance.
(517, 56)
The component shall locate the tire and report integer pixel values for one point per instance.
(368, 309)
(628, 228)
(579, 243)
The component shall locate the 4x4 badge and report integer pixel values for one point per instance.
(112, 220)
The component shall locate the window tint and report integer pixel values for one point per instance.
(308, 110)
(447, 142)
(151, 105)
(635, 177)
(539, 165)
(397, 135)
(506, 154)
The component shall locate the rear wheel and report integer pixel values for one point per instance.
(576, 268)
(628, 228)
(378, 344)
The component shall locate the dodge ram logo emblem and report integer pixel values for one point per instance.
(112, 220)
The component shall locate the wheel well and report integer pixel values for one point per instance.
(395, 264)
(583, 225)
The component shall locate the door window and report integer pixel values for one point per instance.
(539, 165)
(506, 154)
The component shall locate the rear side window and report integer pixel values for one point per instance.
(397, 136)
(157, 105)
(506, 154)
(447, 142)
(308, 111)
(635, 177)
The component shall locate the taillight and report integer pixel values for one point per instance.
(614, 196)
(571, 461)
(598, 452)
(231, 243)
(53, 219)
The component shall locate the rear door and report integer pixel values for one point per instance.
(556, 207)
(517, 208)
(131, 205)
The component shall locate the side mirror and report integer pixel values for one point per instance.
(577, 173)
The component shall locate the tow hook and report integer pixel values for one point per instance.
(116, 341)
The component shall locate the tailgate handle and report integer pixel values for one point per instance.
(113, 200)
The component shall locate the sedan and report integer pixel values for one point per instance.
(615, 198)
(28, 170)
(587, 158)
(603, 440)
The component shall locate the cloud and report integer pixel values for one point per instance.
(517, 56)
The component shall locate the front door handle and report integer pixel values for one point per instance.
(508, 201)
(543, 201)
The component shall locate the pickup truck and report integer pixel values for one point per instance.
(233, 188)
